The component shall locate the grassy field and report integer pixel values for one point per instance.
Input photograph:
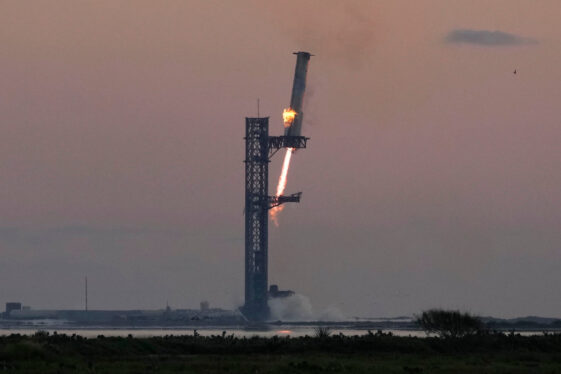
(371, 353)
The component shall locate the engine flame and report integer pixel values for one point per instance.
(282, 184)
(288, 116)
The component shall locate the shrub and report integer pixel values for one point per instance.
(449, 323)
(322, 332)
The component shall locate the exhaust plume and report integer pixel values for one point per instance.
(299, 308)
(282, 184)
(293, 308)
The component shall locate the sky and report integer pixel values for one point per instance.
(431, 178)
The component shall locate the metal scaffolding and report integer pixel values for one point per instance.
(256, 217)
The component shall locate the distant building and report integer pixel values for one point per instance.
(160, 317)
(274, 292)
(12, 306)
(205, 305)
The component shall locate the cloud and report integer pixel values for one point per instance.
(486, 38)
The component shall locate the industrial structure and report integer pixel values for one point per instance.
(18, 315)
(259, 148)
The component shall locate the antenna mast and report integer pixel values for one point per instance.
(86, 293)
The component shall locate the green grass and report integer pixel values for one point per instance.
(373, 353)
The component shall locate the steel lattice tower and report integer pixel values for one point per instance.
(256, 217)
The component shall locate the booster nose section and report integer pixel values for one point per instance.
(298, 90)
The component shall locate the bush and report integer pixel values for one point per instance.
(449, 323)
(322, 332)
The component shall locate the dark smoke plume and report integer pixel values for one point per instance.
(337, 30)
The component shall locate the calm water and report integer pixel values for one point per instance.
(293, 331)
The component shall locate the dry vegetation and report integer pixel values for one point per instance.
(372, 352)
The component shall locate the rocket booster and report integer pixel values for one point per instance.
(298, 89)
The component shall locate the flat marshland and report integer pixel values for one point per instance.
(369, 353)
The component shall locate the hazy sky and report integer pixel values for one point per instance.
(431, 179)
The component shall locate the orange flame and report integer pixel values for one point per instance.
(282, 184)
(288, 116)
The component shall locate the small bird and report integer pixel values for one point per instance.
(514, 71)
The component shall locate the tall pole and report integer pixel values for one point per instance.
(86, 293)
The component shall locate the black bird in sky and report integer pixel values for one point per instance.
(514, 71)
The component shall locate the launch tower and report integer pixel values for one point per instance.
(259, 148)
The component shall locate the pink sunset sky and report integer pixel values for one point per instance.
(431, 179)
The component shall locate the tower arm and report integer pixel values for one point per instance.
(278, 200)
(278, 142)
